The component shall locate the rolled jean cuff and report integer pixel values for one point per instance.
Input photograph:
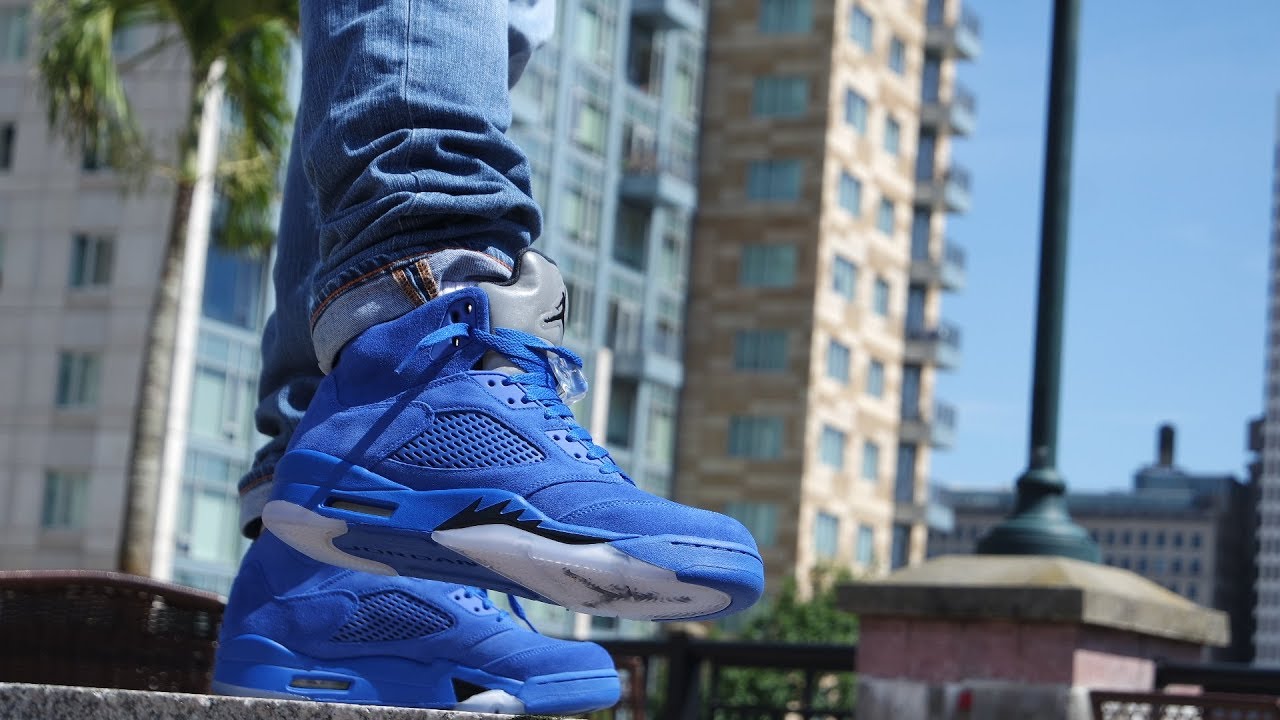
(384, 293)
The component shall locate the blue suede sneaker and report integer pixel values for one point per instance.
(440, 446)
(302, 630)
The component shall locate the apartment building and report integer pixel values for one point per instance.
(1193, 533)
(820, 262)
(79, 263)
(1267, 637)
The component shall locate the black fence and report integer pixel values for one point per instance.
(1236, 678)
(683, 678)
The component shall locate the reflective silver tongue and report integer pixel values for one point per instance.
(533, 301)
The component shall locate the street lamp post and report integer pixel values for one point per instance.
(1040, 523)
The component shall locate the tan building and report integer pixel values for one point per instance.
(818, 267)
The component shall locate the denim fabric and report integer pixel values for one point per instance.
(399, 150)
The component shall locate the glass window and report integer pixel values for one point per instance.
(1195, 539)
(870, 461)
(1159, 538)
(875, 378)
(65, 500)
(13, 33)
(622, 412)
(880, 297)
(885, 216)
(234, 287)
(1192, 591)
(1193, 566)
(850, 194)
(838, 360)
(1143, 538)
(590, 123)
(866, 544)
(1175, 566)
(755, 437)
(661, 437)
(593, 34)
(92, 259)
(892, 136)
(860, 28)
(780, 96)
(901, 549)
(79, 375)
(897, 56)
(631, 236)
(1177, 538)
(773, 180)
(768, 266)
(1141, 565)
(785, 16)
(760, 350)
(1126, 538)
(831, 447)
(844, 277)
(1110, 537)
(855, 111)
(904, 482)
(7, 133)
(760, 518)
(826, 535)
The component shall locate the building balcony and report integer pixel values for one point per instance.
(962, 39)
(934, 513)
(939, 345)
(949, 191)
(957, 116)
(947, 272)
(937, 429)
(670, 14)
(654, 176)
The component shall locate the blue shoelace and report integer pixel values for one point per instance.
(487, 603)
(539, 379)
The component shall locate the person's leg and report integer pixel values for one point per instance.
(295, 628)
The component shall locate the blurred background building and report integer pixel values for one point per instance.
(1192, 533)
(1267, 638)
(820, 264)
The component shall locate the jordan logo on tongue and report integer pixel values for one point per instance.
(559, 316)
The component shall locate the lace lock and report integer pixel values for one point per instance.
(571, 382)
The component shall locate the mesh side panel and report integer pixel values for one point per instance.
(392, 615)
(467, 440)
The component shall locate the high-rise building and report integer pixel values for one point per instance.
(1193, 533)
(820, 261)
(79, 264)
(608, 114)
(1267, 636)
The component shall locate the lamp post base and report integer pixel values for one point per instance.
(1040, 523)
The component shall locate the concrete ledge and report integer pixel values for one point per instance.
(53, 702)
(1035, 589)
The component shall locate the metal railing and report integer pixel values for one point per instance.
(954, 255)
(944, 333)
(1237, 678)
(962, 98)
(682, 678)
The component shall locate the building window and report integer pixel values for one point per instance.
(885, 216)
(13, 33)
(838, 360)
(65, 500)
(850, 194)
(1159, 538)
(771, 266)
(660, 440)
(844, 277)
(904, 482)
(1126, 538)
(892, 136)
(773, 180)
(901, 546)
(855, 111)
(1157, 565)
(622, 412)
(760, 350)
(831, 447)
(1192, 591)
(589, 125)
(1110, 537)
(826, 535)
(785, 16)
(593, 34)
(880, 297)
(79, 375)
(92, 257)
(1141, 565)
(860, 28)
(866, 545)
(1177, 538)
(780, 96)
(875, 379)
(1175, 566)
(7, 132)
(760, 518)
(755, 437)
(1195, 539)
(870, 461)
(897, 56)
(1142, 538)
(1193, 567)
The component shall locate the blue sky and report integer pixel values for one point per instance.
(1167, 276)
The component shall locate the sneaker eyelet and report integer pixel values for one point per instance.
(492, 383)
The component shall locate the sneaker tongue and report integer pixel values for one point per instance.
(532, 301)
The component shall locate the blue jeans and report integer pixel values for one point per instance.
(399, 150)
